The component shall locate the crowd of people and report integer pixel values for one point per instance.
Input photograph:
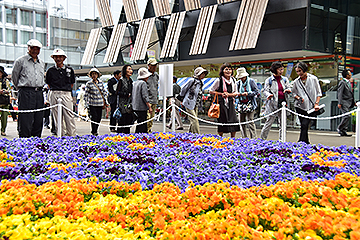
(131, 101)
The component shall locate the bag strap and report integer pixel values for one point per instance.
(192, 84)
(217, 98)
(100, 92)
(303, 87)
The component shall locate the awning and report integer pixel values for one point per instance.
(208, 82)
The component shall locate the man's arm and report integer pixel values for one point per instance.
(16, 73)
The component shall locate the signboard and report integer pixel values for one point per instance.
(166, 73)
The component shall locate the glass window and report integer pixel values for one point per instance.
(11, 36)
(0, 16)
(26, 17)
(41, 37)
(11, 15)
(40, 20)
(1, 37)
(25, 36)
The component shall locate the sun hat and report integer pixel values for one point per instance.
(94, 70)
(2, 69)
(58, 52)
(34, 43)
(198, 71)
(152, 61)
(143, 73)
(241, 72)
(83, 86)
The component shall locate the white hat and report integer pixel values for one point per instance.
(198, 71)
(152, 61)
(143, 73)
(241, 72)
(34, 43)
(58, 52)
(94, 70)
(83, 86)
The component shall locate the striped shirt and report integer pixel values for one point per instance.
(92, 95)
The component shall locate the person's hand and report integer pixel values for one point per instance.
(150, 110)
(270, 96)
(224, 95)
(316, 107)
(245, 94)
(339, 106)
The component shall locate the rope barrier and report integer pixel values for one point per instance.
(321, 118)
(227, 124)
(28, 111)
(125, 126)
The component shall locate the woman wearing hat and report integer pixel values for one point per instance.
(5, 90)
(140, 99)
(191, 95)
(81, 102)
(225, 88)
(95, 99)
(275, 90)
(247, 104)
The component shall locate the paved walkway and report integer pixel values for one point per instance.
(323, 137)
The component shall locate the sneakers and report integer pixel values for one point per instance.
(343, 133)
(179, 128)
(3, 134)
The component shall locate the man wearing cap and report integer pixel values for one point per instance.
(28, 77)
(61, 79)
(153, 84)
(112, 98)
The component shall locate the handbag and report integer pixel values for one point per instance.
(128, 106)
(315, 113)
(245, 107)
(117, 114)
(214, 111)
(4, 99)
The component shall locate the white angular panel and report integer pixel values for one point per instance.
(142, 39)
(112, 51)
(91, 46)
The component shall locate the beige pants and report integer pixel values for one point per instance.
(67, 116)
(151, 115)
(246, 117)
(194, 123)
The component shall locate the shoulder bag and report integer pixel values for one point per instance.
(104, 106)
(214, 111)
(4, 99)
(318, 112)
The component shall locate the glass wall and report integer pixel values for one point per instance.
(26, 18)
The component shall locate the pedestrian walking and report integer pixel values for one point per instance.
(247, 103)
(307, 92)
(175, 114)
(82, 110)
(153, 85)
(113, 96)
(124, 90)
(225, 88)
(28, 78)
(5, 99)
(276, 90)
(191, 96)
(345, 102)
(95, 99)
(140, 99)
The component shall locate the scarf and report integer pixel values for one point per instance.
(244, 87)
(225, 81)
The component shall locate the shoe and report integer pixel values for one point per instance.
(344, 134)
(3, 134)
(179, 128)
(169, 127)
(47, 127)
(95, 134)
(112, 130)
(339, 131)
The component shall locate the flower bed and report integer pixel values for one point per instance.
(177, 186)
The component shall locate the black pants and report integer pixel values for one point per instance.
(304, 122)
(113, 120)
(343, 126)
(95, 116)
(126, 119)
(30, 124)
(142, 116)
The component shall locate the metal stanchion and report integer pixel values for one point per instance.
(357, 127)
(59, 115)
(173, 109)
(283, 122)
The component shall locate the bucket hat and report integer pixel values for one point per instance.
(241, 72)
(198, 71)
(143, 73)
(152, 61)
(94, 70)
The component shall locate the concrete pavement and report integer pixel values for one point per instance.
(323, 137)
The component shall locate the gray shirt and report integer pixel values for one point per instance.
(312, 88)
(153, 85)
(28, 73)
(140, 96)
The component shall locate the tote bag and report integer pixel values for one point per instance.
(214, 111)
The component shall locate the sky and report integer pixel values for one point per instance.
(82, 9)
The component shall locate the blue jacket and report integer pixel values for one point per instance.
(190, 92)
(255, 92)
